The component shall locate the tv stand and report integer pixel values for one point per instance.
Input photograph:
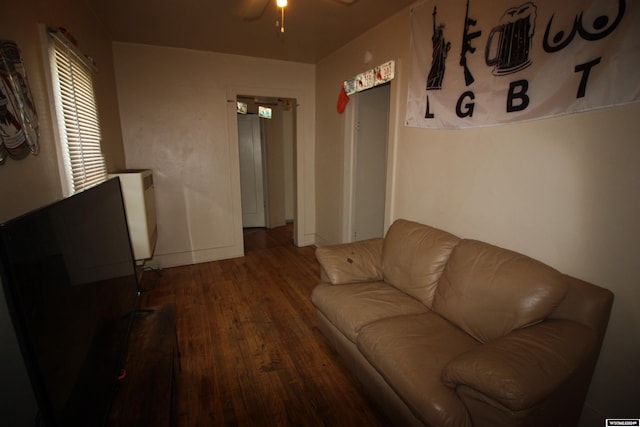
(146, 396)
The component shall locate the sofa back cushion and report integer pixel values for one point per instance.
(414, 256)
(489, 291)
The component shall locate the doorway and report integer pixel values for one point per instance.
(266, 140)
(366, 165)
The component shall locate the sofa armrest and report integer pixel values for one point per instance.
(351, 262)
(523, 367)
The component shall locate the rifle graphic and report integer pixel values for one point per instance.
(467, 37)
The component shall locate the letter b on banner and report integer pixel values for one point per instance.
(518, 100)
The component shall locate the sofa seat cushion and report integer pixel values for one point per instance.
(414, 256)
(490, 291)
(350, 307)
(410, 353)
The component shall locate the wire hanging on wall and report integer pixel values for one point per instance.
(18, 118)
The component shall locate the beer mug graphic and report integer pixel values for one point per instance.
(511, 52)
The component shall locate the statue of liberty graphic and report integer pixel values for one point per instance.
(441, 48)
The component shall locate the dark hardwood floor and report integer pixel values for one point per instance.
(251, 352)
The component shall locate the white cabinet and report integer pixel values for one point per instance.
(140, 205)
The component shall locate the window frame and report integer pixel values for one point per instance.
(77, 131)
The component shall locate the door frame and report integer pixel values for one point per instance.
(350, 134)
(232, 123)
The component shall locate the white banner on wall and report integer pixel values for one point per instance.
(374, 77)
(483, 63)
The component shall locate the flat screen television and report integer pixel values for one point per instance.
(71, 288)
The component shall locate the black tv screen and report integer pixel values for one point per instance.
(70, 283)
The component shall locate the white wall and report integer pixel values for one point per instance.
(176, 120)
(565, 191)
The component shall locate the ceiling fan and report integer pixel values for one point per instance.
(253, 9)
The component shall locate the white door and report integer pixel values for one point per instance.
(370, 163)
(251, 171)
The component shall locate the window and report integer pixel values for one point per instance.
(264, 112)
(78, 126)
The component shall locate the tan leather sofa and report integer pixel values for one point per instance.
(443, 331)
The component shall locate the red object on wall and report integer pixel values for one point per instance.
(343, 100)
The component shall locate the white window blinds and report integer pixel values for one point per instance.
(77, 116)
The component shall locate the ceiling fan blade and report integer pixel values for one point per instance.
(251, 9)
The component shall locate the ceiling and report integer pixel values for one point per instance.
(313, 28)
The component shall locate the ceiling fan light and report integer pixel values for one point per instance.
(281, 3)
